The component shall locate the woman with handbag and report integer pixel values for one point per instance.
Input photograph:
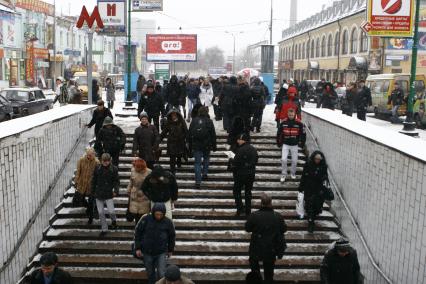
(139, 204)
(83, 178)
(312, 184)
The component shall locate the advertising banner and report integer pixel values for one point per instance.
(147, 5)
(36, 6)
(113, 15)
(171, 47)
(29, 72)
(390, 18)
(406, 43)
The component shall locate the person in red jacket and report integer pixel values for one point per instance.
(291, 102)
(291, 135)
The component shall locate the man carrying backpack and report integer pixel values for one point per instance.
(202, 140)
(112, 139)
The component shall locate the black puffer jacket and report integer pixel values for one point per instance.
(105, 181)
(362, 99)
(228, 97)
(176, 133)
(98, 118)
(155, 237)
(267, 238)
(112, 139)
(337, 270)
(245, 160)
(238, 127)
(145, 140)
(258, 95)
(160, 186)
(58, 277)
(243, 101)
(152, 104)
(173, 93)
(202, 135)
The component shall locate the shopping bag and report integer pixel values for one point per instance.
(300, 208)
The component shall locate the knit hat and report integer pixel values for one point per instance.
(342, 244)
(108, 121)
(172, 273)
(143, 114)
(244, 136)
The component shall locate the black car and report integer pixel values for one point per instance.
(6, 111)
(26, 101)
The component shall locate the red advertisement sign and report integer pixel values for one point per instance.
(29, 71)
(391, 18)
(171, 47)
(41, 53)
(36, 6)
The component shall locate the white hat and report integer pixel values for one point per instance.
(60, 78)
(285, 86)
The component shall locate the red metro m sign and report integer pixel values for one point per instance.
(90, 19)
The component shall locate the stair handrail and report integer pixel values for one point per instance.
(351, 217)
(52, 185)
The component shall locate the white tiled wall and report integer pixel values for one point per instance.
(29, 162)
(386, 192)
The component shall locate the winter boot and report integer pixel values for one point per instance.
(114, 225)
(311, 226)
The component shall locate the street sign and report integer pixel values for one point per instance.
(113, 15)
(162, 71)
(88, 20)
(171, 47)
(147, 5)
(366, 27)
(390, 18)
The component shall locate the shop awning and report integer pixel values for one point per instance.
(358, 62)
(314, 65)
(4, 8)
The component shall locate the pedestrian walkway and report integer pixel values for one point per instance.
(211, 245)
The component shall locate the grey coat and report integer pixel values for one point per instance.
(110, 92)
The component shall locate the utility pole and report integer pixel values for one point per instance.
(233, 56)
(54, 46)
(270, 24)
(89, 66)
(129, 49)
(409, 124)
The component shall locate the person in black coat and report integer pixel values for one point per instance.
(50, 271)
(348, 99)
(112, 139)
(238, 127)
(243, 103)
(152, 103)
(176, 132)
(304, 90)
(161, 186)
(105, 186)
(329, 97)
(319, 90)
(98, 117)
(340, 264)
(173, 93)
(314, 176)
(244, 171)
(201, 140)
(396, 98)
(267, 242)
(146, 141)
(183, 95)
(258, 104)
(362, 100)
(155, 239)
(217, 90)
(227, 101)
(95, 91)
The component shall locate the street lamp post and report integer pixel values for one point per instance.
(233, 56)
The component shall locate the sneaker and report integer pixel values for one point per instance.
(282, 180)
(103, 234)
(293, 176)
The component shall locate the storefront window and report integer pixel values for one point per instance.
(22, 69)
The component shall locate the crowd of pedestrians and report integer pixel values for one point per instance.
(153, 190)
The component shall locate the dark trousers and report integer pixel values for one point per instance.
(227, 121)
(156, 121)
(175, 160)
(217, 112)
(150, 165)
(115, 156)
(256, 122)
(361, 114)
(268, 269)
(90, 210)
(243, 182)
(110, 104)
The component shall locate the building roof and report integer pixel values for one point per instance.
(339, 10)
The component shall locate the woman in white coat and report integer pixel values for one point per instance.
(206, 95)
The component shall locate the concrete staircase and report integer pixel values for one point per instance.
(211, 246)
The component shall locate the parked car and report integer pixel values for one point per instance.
(81, 79)
(26, 101)
(312, 95)
(119, 85)
(6, 110)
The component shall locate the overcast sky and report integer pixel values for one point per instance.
(211, 21)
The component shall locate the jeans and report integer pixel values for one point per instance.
(294, 151)
(111, 210)
(191, 104)
(395, 117)
(268, 267)
(240, 182)
(155, 266)
(198, 156)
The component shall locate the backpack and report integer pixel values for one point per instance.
(200, 131)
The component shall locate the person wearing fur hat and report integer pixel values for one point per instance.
(112, 139)
(244, 170)
(259, 98)
(176, 131)
(139, 203)
(340, 264)
(314, 176)
(155, 238)
(152, 103)
(146, 141)
(173, 276)
(83, 179)
(161, 186)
